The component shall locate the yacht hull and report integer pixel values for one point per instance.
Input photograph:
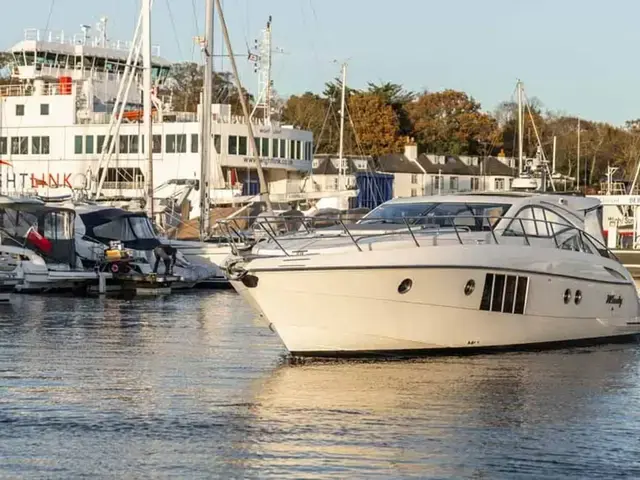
(356, 311)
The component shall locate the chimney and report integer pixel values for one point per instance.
(411, 151)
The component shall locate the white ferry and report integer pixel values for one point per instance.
(55, 123)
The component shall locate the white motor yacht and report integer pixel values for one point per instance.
(444, 273)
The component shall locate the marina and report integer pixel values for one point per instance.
(201, 279)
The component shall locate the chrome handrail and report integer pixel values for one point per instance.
(271, 226)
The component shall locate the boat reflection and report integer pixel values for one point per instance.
(404, 418)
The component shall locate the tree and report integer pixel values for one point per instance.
(397, 97)
(312, 112)
(450, 122)
(376, 124)
(185, 83)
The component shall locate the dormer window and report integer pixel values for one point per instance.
(20, 110)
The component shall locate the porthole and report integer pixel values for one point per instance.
(578, 297)
(405, 285)
(469, 287)
(567, 296)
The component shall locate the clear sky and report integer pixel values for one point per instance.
(577, 56)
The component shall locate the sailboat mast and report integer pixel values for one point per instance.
(146, 92)
(520, 128)
(341, 169)
(264, 191)
(578, 160)
(206, 122)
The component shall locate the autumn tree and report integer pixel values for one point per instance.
(450, 122)
(398, 98)
(315, 113)
(376, 124)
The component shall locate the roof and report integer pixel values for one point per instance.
(395, 163)
(327, 167)
(493, 166)
(452, 166)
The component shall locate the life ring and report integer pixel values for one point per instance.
(114, 268)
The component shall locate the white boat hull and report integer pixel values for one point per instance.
(341, 311)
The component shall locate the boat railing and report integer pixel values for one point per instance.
(243, 233)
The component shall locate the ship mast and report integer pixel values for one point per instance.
(341, 169)
(520, 128)
(206, 122)
(146, 91)
(264, 191)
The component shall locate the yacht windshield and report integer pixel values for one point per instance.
(471, 216)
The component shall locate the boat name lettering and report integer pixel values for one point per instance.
(614, 300)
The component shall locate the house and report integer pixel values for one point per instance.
(414, 175)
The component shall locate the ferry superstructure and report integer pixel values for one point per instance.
(55, 122)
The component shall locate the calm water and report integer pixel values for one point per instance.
(193, 386)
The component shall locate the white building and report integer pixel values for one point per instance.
(54, 123)
(415, 175)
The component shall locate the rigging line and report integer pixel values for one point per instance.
(50, 12)
(197, 27)
(173, 27)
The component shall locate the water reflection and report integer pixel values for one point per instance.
(492, 415)
(193, 386)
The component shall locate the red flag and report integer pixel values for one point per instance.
(39, 241)
(4, 162)
(234, 176)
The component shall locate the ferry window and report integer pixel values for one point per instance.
(77, 142)
(217, 143)
(233, 145)
(274, 147)
(181, 143)
(265, 147)
(194, 143)
(101, 144)
(242, 145)
(44, 109)
(134, 143)
(20, 110)
(40, 145)
(292, 149)
(299, 150)
(18, 59)
(123, 144)
(170, 142)
(475, 184)
(157, 144)
(99, 63)
(29, 58)
(88, 144)
(19, 145)
(258, 144)
(3, 145)
(50, 59)
(283, 148)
